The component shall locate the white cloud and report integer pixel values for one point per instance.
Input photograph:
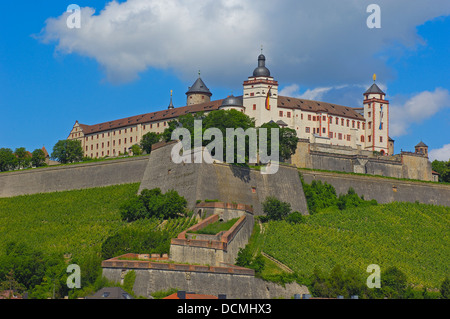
(441, 154)
(316, 43)
(417, 109)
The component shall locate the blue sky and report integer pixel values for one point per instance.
(127, 57)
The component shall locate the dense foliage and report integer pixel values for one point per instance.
(67, 151)
(153, 204)
(320, 196)
(443, 168)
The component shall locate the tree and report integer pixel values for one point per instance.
(276, 209)
(443, 168)
(148, 140)
(23, 157)
(136, 149)
(67, 151)
(38, 158)
(7, 160)
(288, 140)
(393, 283)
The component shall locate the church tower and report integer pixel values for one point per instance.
(261, 94)
(198, 93)
(376, 113)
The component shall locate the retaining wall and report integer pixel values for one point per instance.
(71, 177)
(384, 190)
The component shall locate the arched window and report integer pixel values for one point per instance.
(362, 138)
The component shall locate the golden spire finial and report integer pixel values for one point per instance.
(374, 77)
(171, 92)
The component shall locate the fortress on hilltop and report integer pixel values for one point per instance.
(332, 137)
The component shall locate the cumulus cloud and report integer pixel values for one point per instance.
(441, 154)
(417, 109)
(316, 43)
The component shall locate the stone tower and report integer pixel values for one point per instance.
(198, 93)
(376, 113)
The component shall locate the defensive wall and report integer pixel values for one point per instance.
(227, 183)
(221, 248)
(350, 160)
(72, 177)
(222, 182)
(235, 282)
(384, 190)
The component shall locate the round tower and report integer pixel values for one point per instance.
(198, 93)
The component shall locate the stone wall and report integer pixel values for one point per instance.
(350, 160)
(235, 282)
(71, 177)
(384, 190)
(222, 182)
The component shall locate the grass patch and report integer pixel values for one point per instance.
(217, 227)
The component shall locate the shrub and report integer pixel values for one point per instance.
(276, 209)
(296, 218)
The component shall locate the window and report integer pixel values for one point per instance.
(119, 141)
(131, 140)
(252, 94)
(353, 124)
(337, 121)
(97, 146)
(349, 137)
(314, 118)
(131, 129)
(254, 107)
(289, 114)
(308, 130)
(381, 139)
(348, 123)
(125, 140)
(324, 130)
(369, 114)
(342, 122)
(309, 117)
(369, 138)
(103, 135)
(281, 113)
(125, 130)
(364, 126)
(324, 118)
(114, 143)
(103, 145)
(339, 136)
(330, 134)
(301, 116)
(143, 127)
(370, 125)
(362, 138)
(108, 144)
(86, 148)
(359, 125)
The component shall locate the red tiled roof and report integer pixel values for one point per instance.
(166, 115)
(170, 114)
(319, 107)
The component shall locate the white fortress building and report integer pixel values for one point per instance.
(365, 128)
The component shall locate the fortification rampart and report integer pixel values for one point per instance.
(384, 190)
(71, 177)
(350, 160)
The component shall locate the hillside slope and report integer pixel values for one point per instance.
(412, 237)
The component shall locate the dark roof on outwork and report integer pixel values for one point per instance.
(374, 89)
(319, 107)
(172, 114)
(111, 293)
(232, 101)
(199, 87)
(421, 144)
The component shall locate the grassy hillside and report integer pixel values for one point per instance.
(72, 222)
(412, 237)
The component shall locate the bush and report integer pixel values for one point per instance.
(276, 209)
(153, 204)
